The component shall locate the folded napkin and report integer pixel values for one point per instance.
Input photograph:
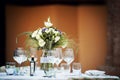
(95, 73)
(2, 69)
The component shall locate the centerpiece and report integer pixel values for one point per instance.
(46, 39)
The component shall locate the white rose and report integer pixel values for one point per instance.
(57, 38)
(41, 42)
(34, 33)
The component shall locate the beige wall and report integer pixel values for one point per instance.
(84, 24)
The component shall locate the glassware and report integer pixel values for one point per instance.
(10, 68)
(65, 68)
(69, 55)
(58, 56)
(47, 63)
(76, 68)
(20, 57)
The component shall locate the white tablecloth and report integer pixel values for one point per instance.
(62, 75)
(59, 76)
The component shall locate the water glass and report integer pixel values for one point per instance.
(65, 68)
(10, 68)
(76, 68)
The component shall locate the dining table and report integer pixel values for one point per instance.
(61, 75)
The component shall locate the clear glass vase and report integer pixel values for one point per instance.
(46, 63)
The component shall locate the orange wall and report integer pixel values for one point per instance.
(92, 36)
(85, 24)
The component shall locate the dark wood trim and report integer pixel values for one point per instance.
(49, 2)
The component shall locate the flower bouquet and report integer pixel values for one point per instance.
(46, 39)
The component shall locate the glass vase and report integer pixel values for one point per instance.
(46, 62)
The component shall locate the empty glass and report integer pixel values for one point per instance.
(20, 57)
(58, 56)
(65, 68)
(76, 68)
(69, 55)
(10, 68)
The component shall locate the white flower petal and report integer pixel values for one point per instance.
(41, 42)
(40, 32)
(37, 36)
(47, 30)
(56, 32)
(48, 24)
(34, 34)
(57, 38)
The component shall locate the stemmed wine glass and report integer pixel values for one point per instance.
(19, 56)
(68, 56)
(58, 56)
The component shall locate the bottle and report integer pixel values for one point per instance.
(32, 66)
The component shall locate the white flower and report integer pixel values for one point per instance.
(48, 23)
(56, 32)
(34, 34)
(47, 30)
(40, 32)
(38, 37)
(43, 37)
(41, 42)
(57, 38)
(51, 29)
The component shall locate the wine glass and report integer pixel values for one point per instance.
(58, 56)
(68, 56)
(20, 57)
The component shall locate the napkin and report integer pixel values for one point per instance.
(2, 69)
(95, 73)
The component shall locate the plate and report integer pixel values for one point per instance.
(95, 73)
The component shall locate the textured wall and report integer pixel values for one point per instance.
(113, 57)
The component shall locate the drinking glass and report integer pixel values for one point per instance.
(58, 56)
(69, 55)
(65, 68)
(76, 68)
(20, 57)
(10, 68)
